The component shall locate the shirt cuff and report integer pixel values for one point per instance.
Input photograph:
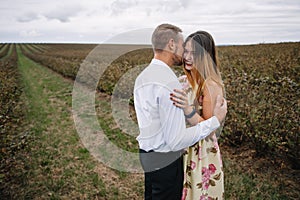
(215, 122)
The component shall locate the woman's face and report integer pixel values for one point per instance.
(188, 55)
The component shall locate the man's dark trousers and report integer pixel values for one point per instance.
(163, 175)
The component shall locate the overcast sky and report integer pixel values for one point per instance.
(132, 21)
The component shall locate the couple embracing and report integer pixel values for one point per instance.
(179, 118)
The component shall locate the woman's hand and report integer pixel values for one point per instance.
(180, 99)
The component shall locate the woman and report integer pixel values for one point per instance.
(202, 161)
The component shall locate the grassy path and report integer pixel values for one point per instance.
(60, 166)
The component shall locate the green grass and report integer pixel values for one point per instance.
(108, 125)
(241, 183)
(60, 166)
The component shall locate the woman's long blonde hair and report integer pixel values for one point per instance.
(205, 63)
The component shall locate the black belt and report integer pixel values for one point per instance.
(152, 160)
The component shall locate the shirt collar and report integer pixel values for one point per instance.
(159, 62)
(164, 65)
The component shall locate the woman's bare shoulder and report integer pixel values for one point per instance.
(212, 87)
(210, 83)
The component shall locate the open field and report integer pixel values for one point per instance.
(42, 156)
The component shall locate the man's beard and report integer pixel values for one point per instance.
(177, 59)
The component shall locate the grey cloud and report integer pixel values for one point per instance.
(119, 6)
(154, 7)
(166, 7)
(28, 17)
(64, 13)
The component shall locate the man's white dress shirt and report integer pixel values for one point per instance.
(161, 124)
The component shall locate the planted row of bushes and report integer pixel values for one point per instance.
(9, 84)
(68, 60)
(4, 50)
(262, 84)
(12, 134)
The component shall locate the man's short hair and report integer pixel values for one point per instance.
(162, 34)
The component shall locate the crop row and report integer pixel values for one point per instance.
(113, 60)
(9, 82)
(11, 108)
(4, 50)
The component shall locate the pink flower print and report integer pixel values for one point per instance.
(202, 197)
(205, 178)
(184, 82)
(212, 168)
(200, 152)
(193, 165)
(182, 78)
(205, 171)
(206, 185)
(221, 162)
(184, 193)
(216, 145)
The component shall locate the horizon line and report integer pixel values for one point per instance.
(146, 44)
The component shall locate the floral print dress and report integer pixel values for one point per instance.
(203, 170)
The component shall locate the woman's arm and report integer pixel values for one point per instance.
(210, 93)
(180, 100)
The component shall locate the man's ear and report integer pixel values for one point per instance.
(171, 45)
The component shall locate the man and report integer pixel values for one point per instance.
(163, 133)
